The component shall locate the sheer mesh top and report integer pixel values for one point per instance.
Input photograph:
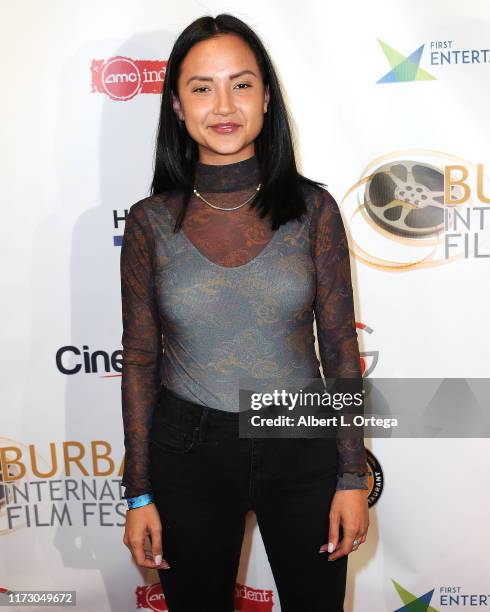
(227, 297)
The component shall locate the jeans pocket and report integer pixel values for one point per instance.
(168, 437)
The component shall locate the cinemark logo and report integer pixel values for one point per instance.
(122, 78)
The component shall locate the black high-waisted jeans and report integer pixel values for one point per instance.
(205, 478)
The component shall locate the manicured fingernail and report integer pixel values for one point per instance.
(158, 559)
(330, 547)
(322, 550)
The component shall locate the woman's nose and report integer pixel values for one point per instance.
(224, 102)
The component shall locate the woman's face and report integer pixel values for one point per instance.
(211, 91)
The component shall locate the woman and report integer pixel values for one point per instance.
(223, 267)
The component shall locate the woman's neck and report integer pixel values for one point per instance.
(236, 176)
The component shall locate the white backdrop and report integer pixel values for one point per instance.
(76, 155)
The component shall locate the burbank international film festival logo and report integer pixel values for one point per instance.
(417, 209)
(60, 484)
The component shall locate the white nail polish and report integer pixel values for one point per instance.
(330, 547)
(158, 559)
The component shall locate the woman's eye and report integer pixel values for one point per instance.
(203, 87)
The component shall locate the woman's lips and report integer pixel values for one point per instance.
(225, 128)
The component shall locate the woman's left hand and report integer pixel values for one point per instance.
(349, 508)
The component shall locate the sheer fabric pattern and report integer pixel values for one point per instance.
(226, 297)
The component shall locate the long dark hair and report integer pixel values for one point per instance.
(176, 153)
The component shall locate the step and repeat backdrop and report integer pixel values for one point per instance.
(390, 103)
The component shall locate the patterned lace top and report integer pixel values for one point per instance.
(227, 297)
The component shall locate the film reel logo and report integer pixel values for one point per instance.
(401, 211)
(407, 199)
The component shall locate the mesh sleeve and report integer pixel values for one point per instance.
(335, 324)
(142, 349)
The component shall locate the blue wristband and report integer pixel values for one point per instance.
(140, 500)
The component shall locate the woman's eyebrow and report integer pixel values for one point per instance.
(207, 78)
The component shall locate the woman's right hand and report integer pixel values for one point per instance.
(141, 522)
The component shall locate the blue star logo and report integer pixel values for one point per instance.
(403, 68)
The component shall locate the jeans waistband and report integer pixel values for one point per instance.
(190, 415)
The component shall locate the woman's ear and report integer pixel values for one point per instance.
(266, 98)
(176, 107)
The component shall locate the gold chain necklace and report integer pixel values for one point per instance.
(257, 189)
